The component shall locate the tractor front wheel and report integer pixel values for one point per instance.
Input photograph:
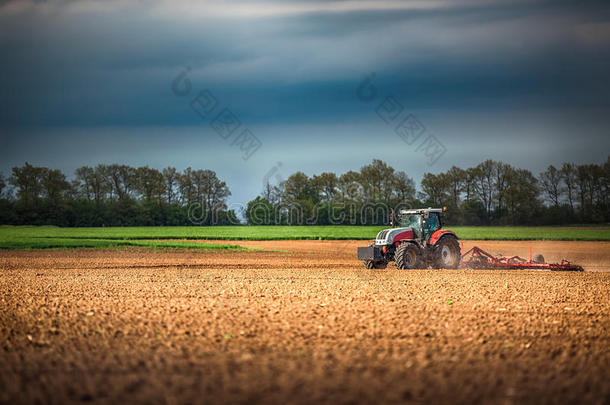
(407, 256)
(447, 253)
(369, 264)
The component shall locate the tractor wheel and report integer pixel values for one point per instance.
(381, 265)
(407, 256)
(447, 254)
(369, 264)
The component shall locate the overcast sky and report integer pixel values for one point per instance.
(89, 82)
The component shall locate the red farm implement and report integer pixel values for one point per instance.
(477, 258)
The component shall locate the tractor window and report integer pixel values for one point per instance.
(431, 224)
(414, 221)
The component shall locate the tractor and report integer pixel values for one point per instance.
(417, 242)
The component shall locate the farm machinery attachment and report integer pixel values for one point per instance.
(419, 242)
(477, 258)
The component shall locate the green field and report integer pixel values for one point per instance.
(43, 237)
(49, 237)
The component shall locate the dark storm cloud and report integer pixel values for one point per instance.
(290, 70)
(113, 68)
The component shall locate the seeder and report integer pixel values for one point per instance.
(477, 258)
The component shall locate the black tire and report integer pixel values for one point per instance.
(407, 256)
(369, 264)
(538, 259)
(447, 253)
(381, 265)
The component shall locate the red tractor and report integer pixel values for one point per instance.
(417, 242)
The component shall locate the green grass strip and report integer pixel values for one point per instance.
(67, 243)
(41, 237)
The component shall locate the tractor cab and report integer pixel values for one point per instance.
(423, 222)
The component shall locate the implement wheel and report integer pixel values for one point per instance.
(447, 253)
(407, 256)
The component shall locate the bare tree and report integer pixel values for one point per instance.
(503, 172)
(485, 185)
(170, 180)
(584, 185)
(568, 175)
(204, 188)
(551, 184)
(404, 186)
(92, 183)
(267, 191)
(521, 196)
(122, 179)
(457, 180)
(469, 183)
(149, 183)
(186, 185)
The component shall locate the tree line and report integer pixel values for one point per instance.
(114, 195)
(491, 193)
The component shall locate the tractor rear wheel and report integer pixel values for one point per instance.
(447, 253)
(407, 256)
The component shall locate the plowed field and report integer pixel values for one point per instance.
(303, 323)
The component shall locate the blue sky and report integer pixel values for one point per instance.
(88, 82)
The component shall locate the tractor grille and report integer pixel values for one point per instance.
(381, 235)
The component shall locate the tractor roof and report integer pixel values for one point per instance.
(421, 211)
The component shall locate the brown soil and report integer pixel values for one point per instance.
(303, 324)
